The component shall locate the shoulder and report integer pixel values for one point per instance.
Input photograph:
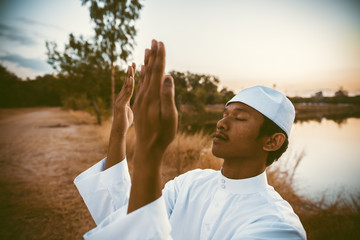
(272, 227)
(275, 219)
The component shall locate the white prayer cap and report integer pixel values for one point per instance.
(271, 103)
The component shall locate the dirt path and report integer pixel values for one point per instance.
(41, 152)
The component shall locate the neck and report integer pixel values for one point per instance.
(240, 169)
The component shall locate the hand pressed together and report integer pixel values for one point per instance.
(154, 107)
(155, 121)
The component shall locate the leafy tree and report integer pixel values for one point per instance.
(82, 69)
(198, 90)
(115, 29)
(226, 95)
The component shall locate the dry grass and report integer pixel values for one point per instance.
(186, 152)
(321, 220)
(38, 164)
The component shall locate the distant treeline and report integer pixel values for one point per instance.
(91, 92)
(14, 92)
(196, 90)
(340, 99)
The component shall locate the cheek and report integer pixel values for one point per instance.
(244, 136)
(241, 133)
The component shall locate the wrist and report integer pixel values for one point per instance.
(118, 132)
(149, 159)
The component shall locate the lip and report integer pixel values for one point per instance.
(220, 137)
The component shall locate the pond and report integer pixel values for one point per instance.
(330, 163)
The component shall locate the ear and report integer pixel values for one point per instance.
(274, 142)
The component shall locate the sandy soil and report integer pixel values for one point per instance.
(42, 150)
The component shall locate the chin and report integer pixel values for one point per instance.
(216, 152)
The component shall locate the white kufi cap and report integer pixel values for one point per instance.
(271, 103)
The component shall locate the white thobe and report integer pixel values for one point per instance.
(200, 204)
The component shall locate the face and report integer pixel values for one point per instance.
(237, 133)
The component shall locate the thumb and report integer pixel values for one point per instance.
(167, 98)
(167, 91)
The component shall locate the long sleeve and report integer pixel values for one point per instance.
(104, 191)
(106, 194)
(147, 222)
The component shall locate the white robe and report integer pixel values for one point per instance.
(200, 204)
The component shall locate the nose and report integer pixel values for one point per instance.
(222, 124)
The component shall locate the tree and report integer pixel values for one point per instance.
(226, 95)
(198, 90)
(115, 29)
(82, 69)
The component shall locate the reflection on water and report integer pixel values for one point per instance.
(331, 164)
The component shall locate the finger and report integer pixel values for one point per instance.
(127, 88)
(142, 70)
(139, 89)
(142, 75)
(157, 72)
(133, 65)
(149, 64)
(147, 55)
(124, 83)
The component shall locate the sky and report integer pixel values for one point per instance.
(297, 46)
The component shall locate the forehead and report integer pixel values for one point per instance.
(242, 107)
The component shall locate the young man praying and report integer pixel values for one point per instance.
(233, 203)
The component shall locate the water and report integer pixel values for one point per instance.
(331, 164)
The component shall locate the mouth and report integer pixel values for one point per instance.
(220, 137)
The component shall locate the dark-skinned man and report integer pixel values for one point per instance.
(234, 203)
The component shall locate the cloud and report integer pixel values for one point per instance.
(14, 34)
(31, 63)
(21, 72)
(34, 22)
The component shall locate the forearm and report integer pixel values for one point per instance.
(123, 117)
(146, 180)
(116, 149)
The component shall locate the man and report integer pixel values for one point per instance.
(234, 203)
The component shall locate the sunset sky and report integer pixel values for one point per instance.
(300, 45)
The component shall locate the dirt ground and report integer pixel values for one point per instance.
(42, 150)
